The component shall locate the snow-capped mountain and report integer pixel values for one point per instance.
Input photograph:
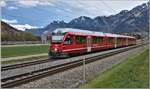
(135, 20)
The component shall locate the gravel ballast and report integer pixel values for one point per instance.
(74, 77)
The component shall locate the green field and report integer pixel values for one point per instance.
(23, 50)
(132, 73)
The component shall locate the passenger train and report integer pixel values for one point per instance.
(65, 42)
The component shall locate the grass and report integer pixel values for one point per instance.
(24, 60)
(23, 50)
(132, 73)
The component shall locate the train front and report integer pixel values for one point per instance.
(56, 40)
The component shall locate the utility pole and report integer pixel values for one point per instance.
(84, 69)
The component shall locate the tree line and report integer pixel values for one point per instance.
(20, 36)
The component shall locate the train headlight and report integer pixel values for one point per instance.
(55, 49)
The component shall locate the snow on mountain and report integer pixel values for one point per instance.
(125, 21)
(23, 27)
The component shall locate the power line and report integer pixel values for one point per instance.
(108, 6)
(108, 25)
(61, 9)
(64, 10)
(82, 5)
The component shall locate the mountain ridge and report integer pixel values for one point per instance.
(134, 20)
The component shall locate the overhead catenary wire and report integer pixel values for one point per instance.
(112, 10)
(116, 12)
(130, 16)
(61, 9)
(108, 25)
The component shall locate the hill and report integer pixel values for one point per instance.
(8, 33)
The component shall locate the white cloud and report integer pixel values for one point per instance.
(68, 10)
(101, 7)
(10, 21)
(46, 2)
(33, 3)
(63, 10)
(22, 27)
(3, 3)
(12, 8)
(58, 10)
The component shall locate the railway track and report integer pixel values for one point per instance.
(14, 66)
(31, 76)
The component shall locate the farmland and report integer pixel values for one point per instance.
(23, 50)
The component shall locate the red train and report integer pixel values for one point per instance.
(68, 41)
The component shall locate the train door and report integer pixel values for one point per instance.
(126, 41)
(115, 42)
(68, 44)
(89, 44)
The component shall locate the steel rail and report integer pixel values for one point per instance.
(14, 66)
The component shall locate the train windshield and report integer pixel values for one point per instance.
(57, 39)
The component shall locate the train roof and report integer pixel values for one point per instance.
(87, 32)
(78, 31)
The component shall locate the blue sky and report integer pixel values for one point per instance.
(39, 13)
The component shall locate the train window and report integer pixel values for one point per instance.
(118, 40)
(97, 39)
(57, 39)
(80, 39)
(110, 40)
(68, 41)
